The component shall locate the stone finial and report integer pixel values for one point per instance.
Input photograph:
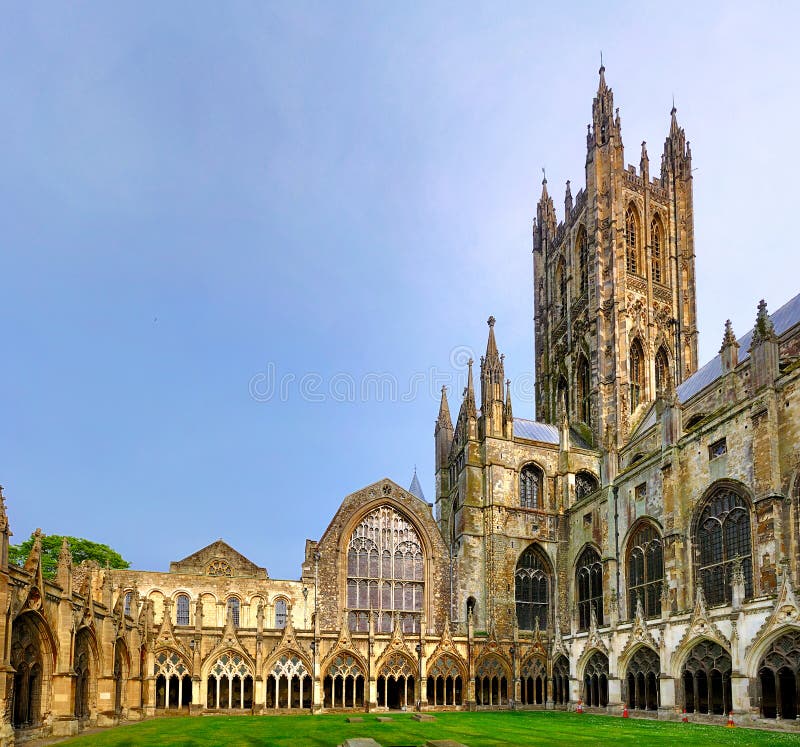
(764, 329)
(729, 352)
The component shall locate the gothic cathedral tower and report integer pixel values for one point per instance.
(614, 284)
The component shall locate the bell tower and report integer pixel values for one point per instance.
(614, 282)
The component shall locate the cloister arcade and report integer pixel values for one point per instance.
(491, 681)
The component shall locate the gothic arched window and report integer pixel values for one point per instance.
(233, 610)
(126, 605)
(385, 572)
(583, 380)
(182, 609)
(583, 261)
(531, 482)
(589, 581)
(632, 241)
(532, 581)
(636, 374)
(585, 484)
(561, 282)
(722, 536)
(662, 370)
(657, 256)
(645, 570)
(562, 397)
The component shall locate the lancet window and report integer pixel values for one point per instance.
(632, 241)
(636, 374)
(385, 572)
(182, 609)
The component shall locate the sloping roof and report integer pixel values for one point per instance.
(783, 319)
(197, 561)
(415, 488)
(535, 431)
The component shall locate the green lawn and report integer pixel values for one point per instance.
(474, 729)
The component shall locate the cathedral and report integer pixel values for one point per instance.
(635, 546)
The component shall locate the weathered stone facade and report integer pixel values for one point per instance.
(637, 546)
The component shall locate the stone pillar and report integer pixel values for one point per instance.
(259, 696)
(198, 696)
(614, 692)
(741, 698)
(667, 705)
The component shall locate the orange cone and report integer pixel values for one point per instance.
(625, 711)
(579, 708)
(685, 718)
(730, 723)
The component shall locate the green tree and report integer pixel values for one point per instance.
(80, 549)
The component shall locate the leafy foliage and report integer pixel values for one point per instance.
(80, 549)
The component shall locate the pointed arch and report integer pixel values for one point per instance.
(33, 659)
(632, 240)
(636, 373)
(85, 665)
(583, 387)
(705, 678)
(533, 587)
(229, 677)
(662, 369)
(561, 288)
(585, 484)
(644, 564)
(589, 586)
(582, 255)
(531, 486)
(492, 674)
(343, 680)
(447, 673)
(595, 680)
(642, 686)
(657, 251)
(722, 536)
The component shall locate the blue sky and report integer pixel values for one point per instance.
(200, 198)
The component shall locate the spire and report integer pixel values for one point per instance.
(605, 127)
(728, 338)
(545, 195)
(677, 154)
(602, 86)
(509, 412)
(567, 201)
(443, 421)
(415, 488)
(36, 552)
(469, 393)
(491, 345)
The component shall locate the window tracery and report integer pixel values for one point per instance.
(385, 572)
(631, 240)
(583, 262)
(532, 581)
(662, 370)
(218, 567)
(585, 484)
(584, 382)
(595, 680)
(26, 660)
(645, 570)
(724, 545)
(706, 679)
(445, 685)
(643, 680)
(491, 683)
(589, 579)
(531, 482)
(233, 610)
(636, 374)
(779, 675)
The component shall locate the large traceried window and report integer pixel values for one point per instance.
(589, 580)
(657, 256)
(532, 581)
(385, 572)
(182, 609)
(561, 282)
(645, 570)
(722, 536)
(583, 262)
(531, 481)
(636, 374)
(632, 241)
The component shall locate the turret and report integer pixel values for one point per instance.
(5, 533)
(677, 157)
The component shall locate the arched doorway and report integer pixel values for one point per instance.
(343, 686)
(27, 658)
(778, 676)
(396, 682)
(445, 683)
(534, 681)
(706, 679)
(173, 681)
(83, 674)
(491, 682)
(288, 683)
(561, 680)
(595, 680)
(642, 681)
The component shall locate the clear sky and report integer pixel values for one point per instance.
(203, 200)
